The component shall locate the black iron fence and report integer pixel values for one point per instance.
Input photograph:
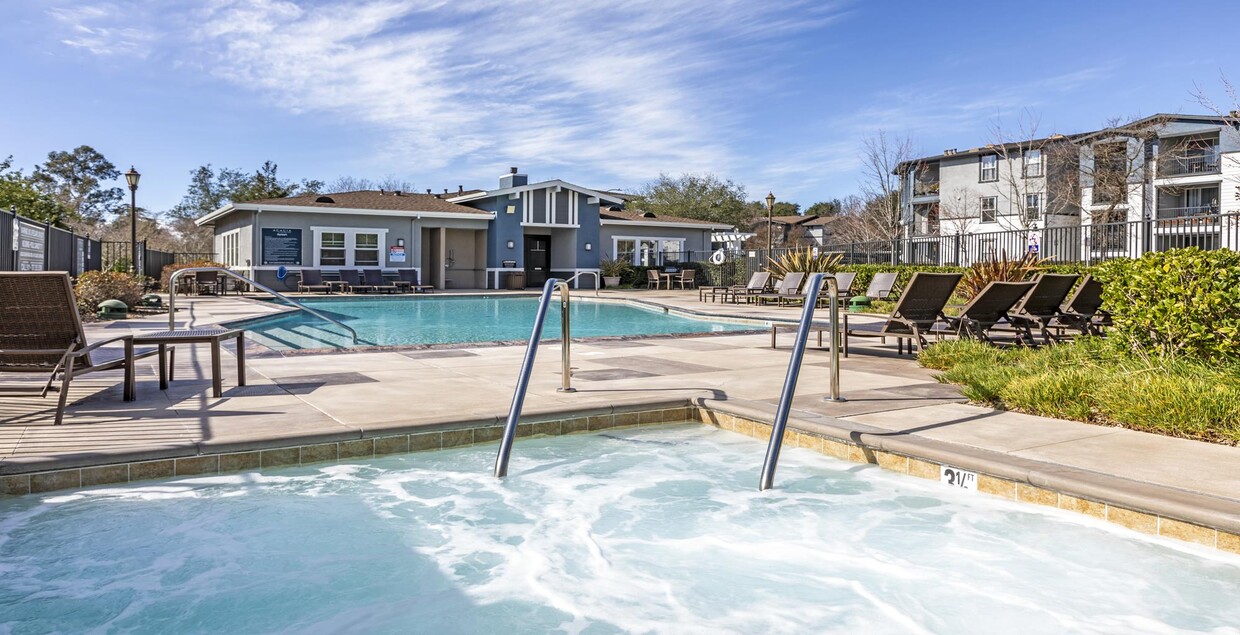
(1085, 244)
(151, 262)
(31, 245)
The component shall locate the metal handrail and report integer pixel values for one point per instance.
(523, 379)
(172, 297)
(598, 280)
(794, 370)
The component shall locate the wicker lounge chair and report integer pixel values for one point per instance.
(1040, 307)
(312, 282)
(41, 332)
(409, 280)
(918, 309)
(988, 308)
(375, 280)
(1083, 312)
(353, 281)
(789, 287)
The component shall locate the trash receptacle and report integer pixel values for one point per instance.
(516, 280)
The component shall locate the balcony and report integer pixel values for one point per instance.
(1190, 164)
(1193, 212)
(925, 188)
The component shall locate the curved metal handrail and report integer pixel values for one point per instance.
(598, 280)
(794, 370)
(172, 296)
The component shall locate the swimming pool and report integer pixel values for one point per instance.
(645, 529)
(460, 319)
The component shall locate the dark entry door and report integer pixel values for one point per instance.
(537, 260)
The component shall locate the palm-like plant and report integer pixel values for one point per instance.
(1001, 269)
(804, 261)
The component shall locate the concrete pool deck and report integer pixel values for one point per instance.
(897, 416)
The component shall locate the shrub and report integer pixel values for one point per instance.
(1183, 302)
(804, 260)
(94, 287)
(612, 268)
(166, 274)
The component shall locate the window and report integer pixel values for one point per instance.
(670, 250)
(626, 249)
(366, 250)
(331, 249)
(230, 248)
(1033, 207)
(1033, 163)
(648, 252)
(990, 168)
(990, 208)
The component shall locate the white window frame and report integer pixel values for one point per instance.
(230, 248)
(637, 243)
(981, 209)
(350, 245)
(1040, 163)
(1037, 209)
(983, 168)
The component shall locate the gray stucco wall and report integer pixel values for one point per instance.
(695, 239)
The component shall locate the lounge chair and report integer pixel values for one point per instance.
(1040, 307)
(375, 280)
(652, 279)
(843, 282)
(758, 283)
(915, 314)
(353, 282)
(41, 332)
(789, 287)
(686, 279)
(409, 280)
(989, 307)
(312, 281)
(881, 285)
(1083, 311)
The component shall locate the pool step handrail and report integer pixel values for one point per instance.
(794, 370)
(598, 280)
(172, 297)
(527, 367)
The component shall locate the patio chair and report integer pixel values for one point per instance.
(988, 308)
(687, 279)
(409, 280)
(375, 280)
(652, 279)
(758, 282)
(915, 314)
(789, 287)
(843, 282)
(41, 332)
(1040, 307)
(881, 286)
(209, 280)
(353, 281)
(312, 281)
(1083, 310)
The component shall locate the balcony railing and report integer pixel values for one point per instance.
(923, 188)
(1194, 211)
(1198, 163)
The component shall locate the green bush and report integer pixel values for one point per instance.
(1183, 302)
(94, 287)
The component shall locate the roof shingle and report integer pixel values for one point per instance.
(373, 199)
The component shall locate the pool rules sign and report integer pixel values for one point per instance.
(29, 246)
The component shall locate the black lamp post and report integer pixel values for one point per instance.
(132, 177)
(770, 207)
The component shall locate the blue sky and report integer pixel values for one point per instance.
(776, 95)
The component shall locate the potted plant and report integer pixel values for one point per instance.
(612, 270)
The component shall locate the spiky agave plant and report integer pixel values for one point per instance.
(805, 261)
(1002, 269)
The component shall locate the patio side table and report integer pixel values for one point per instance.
(167, 358)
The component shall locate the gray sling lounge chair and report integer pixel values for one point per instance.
(1040, 307)
(353, 281)
(41, 332)
(789, 287)
(409, 280)
(1083, 311)
(312, 281)
(375, 280)
(915, 313)
(881, 286)
(988, 308)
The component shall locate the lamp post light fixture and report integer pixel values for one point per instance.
(770, 207)
(131, 177)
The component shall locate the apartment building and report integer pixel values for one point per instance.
(1156, 183)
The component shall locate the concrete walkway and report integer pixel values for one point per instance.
(892, 403)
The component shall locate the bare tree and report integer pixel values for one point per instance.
(1107, 168)
(357, 184)
(959, 210)
(881, 184)
(1020, 170)
(1230, 114)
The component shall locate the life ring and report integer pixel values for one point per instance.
(718, 257)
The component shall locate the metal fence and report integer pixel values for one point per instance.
(151, 262)
(1085, 244)
(31, 245)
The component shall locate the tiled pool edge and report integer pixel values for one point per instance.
(914, 461)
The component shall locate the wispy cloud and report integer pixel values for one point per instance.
(96, 28)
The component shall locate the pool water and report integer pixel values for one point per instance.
(636, 530)
(458, 319)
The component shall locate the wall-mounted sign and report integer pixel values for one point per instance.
(30, 243)
(396, 253)
(281, 246)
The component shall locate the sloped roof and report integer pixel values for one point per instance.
(373, 199)
(637, 216)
